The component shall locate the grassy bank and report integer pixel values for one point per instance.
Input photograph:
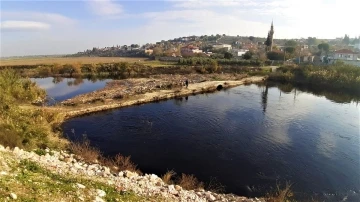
(338, 76)
(21, 124)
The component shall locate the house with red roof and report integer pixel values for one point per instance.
(190, 50)
(345, 54)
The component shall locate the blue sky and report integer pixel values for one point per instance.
(60, 27)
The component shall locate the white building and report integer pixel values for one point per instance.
(240, 52)
(357, 46)
(220, 46)
(345, 54)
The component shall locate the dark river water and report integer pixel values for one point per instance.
(59, 89)
(249, 138)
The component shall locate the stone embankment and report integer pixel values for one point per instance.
(64, 164)
(121, 93)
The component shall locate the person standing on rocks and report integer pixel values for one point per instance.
(187, 83)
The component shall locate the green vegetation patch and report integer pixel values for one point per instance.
(34, 183)
(21, 123)
(338, 76)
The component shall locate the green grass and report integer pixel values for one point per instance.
(337, 76)
(24, 127)
(34, 183)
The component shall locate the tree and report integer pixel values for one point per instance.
(291, 43)
(157, 51)
(324, 47)
(275, 55)
(228, 55)
(248, 55)
(290, 50)
(251, 38)
(346, 39)
(312, 41)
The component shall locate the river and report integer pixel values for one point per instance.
(248, 138)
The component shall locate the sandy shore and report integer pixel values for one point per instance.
(129, 92)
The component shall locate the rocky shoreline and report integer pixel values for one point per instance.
(63, 163)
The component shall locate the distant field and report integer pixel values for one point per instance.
(72, 60)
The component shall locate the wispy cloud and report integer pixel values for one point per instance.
(51, 18)
(212, 3)
(105, 7)
(23, 26)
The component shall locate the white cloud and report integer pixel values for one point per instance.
(52, 18)
(212, 3)
(23, 26)
(105, 7)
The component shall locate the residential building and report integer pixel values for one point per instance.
(345, 54)
(304, 47)
(220, 46)
(190, 49)
(240, 52)
(149, 51)
(357, 46)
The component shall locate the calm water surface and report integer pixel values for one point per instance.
(60, 89)
(248, 138)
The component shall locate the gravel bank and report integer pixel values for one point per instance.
(62, 163)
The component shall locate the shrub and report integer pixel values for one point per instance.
(281, 194)
(82, 148)
(190, 182)
(167, 177)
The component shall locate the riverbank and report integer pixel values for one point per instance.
(337, 77)
(58, 176)
(127, 92)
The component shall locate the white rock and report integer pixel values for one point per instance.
(154, 178)
(3, 173)
(81, 198)
(130, 174)
(98, 199)
(2, 148)
(107, 171)
(210, 197)
(121, 174)
(100, 192)
(16, 150)
(172, 189)
(178, 188)
(81, 186)
(13, 196)
(77, 166)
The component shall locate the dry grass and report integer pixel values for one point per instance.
(167, 177)
(120, 163)
(69, 60)
(90, 154)
(190, 182)
(85, 151)
(215, 186)
(281, 194)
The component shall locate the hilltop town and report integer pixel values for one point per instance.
(303, 50)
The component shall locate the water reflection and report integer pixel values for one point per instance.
(333, 95)
(264, 96)
(59, 88)
(249, 137)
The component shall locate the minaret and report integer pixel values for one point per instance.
(271, 33)
(269, 39)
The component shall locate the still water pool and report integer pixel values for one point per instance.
(59, 89)
(249, 138)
